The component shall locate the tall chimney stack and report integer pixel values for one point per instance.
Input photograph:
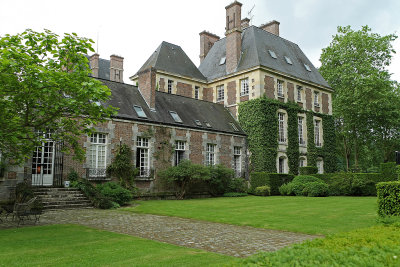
(272, 27)
(147, 86)
(233, 35)
(207, 40)
(94, 65)
(116, 68)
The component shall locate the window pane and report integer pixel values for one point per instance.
(175, 116)
(140, 112)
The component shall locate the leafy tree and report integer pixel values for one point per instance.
(122, 166)
(45, 87)
(185, 174)
(365, 101)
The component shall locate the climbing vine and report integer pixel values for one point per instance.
(258, 118)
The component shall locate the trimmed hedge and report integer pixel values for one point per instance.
(388, 198)
(273, 180)
(264, 190)
(299, 183)
(316, 189)
(389, 171)
(308, 170)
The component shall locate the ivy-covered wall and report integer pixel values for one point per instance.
(259, 119)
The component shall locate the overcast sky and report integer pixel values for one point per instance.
(134, 29)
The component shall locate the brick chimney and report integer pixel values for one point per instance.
(207, 40)
(245, 23)
(147, 86)
(94, 65)
(272, 27)
(233, 35)
(116, 68)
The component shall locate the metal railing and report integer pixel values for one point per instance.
(144, 172)
(96, 174)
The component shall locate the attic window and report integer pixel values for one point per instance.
(307, 67)
(207, 124)
(222, 61)
(234, 127)
(175, 116)
(139, 111)
(198, 123)
(288, 60)
(272, 53)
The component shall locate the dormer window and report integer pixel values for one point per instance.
(272, 54)
(175, 116)
(198, 123)
(234, 127)
(307, 67)
(222, 61)
(288, 60)
(207, 124)
(139, 111)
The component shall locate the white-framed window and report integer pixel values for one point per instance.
(320, 166)
(316, 99)
(244, 86)
(170, 84)
(302, 162)
(98, 153)
(299, 90)
(196, 92)
(279, 86)
(210, 155)
(180, 147)
(237, 160)
(281, 127)
(317, 133)
(300, 126)
(142, 156)
(281, 165)
(220, 93)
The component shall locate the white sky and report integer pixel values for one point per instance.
(134, 29)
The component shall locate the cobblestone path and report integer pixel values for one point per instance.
(238, 241)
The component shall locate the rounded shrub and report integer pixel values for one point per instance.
(284, 190)
(316, 189)
(115, 192)
(262, 191)
(238, 185)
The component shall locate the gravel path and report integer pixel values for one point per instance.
(238, 241)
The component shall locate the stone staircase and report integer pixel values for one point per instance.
(62, 198)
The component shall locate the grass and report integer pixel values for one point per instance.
(298, 214)
(373, 246)
(72, 245)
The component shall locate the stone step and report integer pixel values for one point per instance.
(66, 202)
(62, 198)
(60, 195)
(46, 190)
(70, 206)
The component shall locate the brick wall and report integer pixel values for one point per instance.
(325, 103)
(308, 99)
(269, 86)
(290, 87)
(184, 89)
(161, 85)
(208, 94)
(147, 86)
(231, 92)
(233, 111)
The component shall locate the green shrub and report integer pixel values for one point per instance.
(285, 189)
(353, 184)
(23, 192)
(316, 189)
(73, 176)
(235, 194)
(388, 198)
(306, 170)
(184, 175)
(303, 179)
(297, 185)
(93, 194)
(220, 178)
(273, 180)
(262, 191)
(237, 185)
(388, 171)
(115, 192)
(122, 167)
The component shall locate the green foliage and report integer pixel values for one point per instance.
(220, 179)
(366, 99)
(316, 189)
(388, 198)
(306, 170)
(122, 166)
(45, 86)
(389, 171)
(302, 179)
(273, 180)
(238, 185)
(297, 185)
(73, 176)
(234, 194)
(93, 194)
(23, 192)
(115, 192)
(262, 191)
(292, 150)
(373, 246)
(183, 175)
(311, 149)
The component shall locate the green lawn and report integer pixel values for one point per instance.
(311, 215)
(71, 245)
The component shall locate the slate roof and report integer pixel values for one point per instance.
(104, 68)
(125, 96)
(171, 58)
(255, 45)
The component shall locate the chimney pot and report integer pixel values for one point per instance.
(272, 27)
(207, 40)
(233, 35)
(116, 68)
(94, 64)
(147, 86)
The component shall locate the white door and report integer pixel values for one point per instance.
(43, 165)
